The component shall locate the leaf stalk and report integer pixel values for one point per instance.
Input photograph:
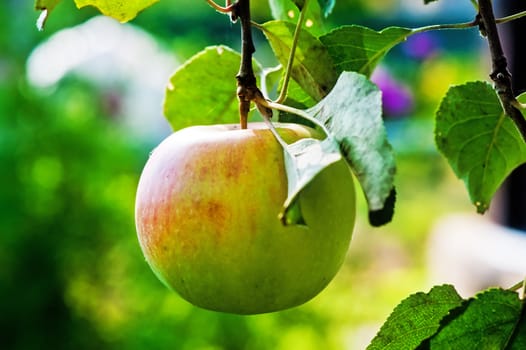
(465, 25)
(288, 70)
(288, 109)
(246, 80)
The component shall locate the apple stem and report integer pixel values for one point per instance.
(247, 89)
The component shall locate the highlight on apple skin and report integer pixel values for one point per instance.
(207, 209)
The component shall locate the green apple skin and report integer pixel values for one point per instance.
(207, 219)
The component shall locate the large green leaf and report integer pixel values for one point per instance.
(203, 90)
(518, 339)
(359, 49)
(119, 9)
(312, 67)
(478, 139)
(441, 319)
(416, 319)
(352, 112)
(488, 322)
(297, 97)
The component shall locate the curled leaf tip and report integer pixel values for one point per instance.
(385, 215)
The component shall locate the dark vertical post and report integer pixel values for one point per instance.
(513, 34)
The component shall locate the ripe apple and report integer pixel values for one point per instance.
(207, 219)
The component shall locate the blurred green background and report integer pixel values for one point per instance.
(72, 275)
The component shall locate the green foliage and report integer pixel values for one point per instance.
(121, 10)
(59, 212)
(416, 319)
(312, 67)
(203, 91)
(440, 319)
(360, 49)
(487, 321)
(479, 140)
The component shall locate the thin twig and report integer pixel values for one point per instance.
(511, 17)
(516, 286)
(465, 25)
(288, 69)
(500, 73)
(519, 287)
(246, 80)
(227, 9)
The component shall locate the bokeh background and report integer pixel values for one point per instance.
(80, 110)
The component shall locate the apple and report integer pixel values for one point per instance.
(207, 210)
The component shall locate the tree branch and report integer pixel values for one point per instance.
(246, 80)
(500, 73)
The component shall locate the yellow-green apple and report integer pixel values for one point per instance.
(207, 219)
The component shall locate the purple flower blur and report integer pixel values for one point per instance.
(421, 46)
(397, 99)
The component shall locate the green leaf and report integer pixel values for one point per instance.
(518, 339)
(312, 67)
(416, 318)
(46, 6)
(478, 139)
(325, 5)
(487, 322)
(203, 90)
(352, 112)
(288, 10)
(359, 49)
(297, 97)
(121, 10)
(304, 159)
(280, 9)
